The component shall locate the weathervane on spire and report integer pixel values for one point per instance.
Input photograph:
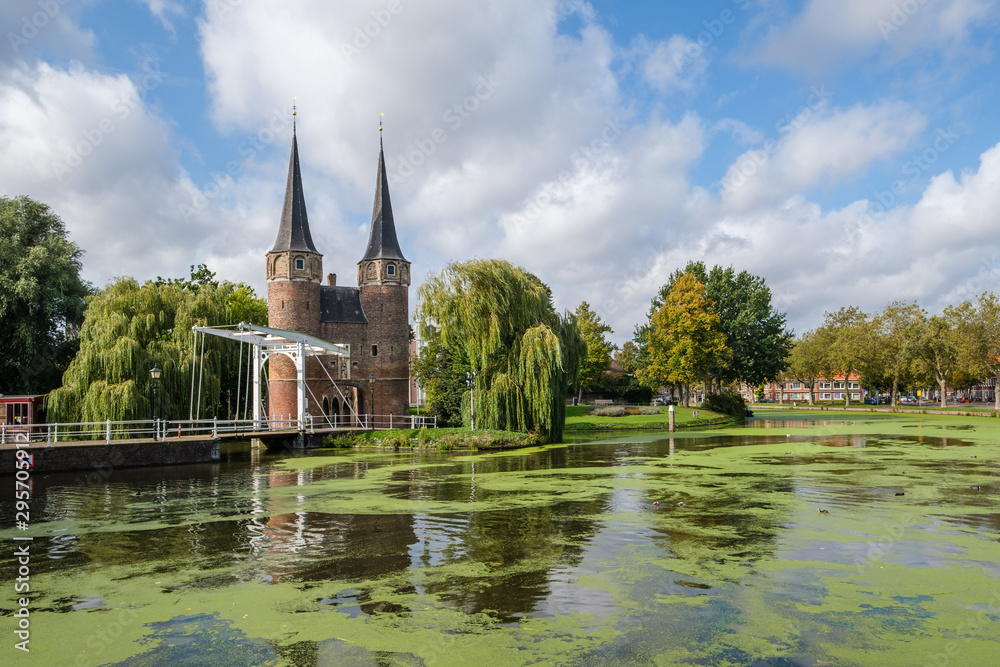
(294, 112)
(380, 117)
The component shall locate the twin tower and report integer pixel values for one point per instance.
(373, 318)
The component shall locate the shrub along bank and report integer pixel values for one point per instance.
(442, 439)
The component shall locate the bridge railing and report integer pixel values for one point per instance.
(162, 430)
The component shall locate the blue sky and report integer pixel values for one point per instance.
(846, 150)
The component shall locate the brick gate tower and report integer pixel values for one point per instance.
(373, 318)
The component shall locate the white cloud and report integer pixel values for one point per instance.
(827, 34)
(31, 27)
(164, 10)
(819, 149)
(674, 64)
(506, 138)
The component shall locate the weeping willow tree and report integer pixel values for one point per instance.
(499, 319)
(130, 328)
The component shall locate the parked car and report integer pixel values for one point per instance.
(907, 399)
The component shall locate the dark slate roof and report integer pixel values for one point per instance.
(293, 234)
(382, 243)
(341, 304)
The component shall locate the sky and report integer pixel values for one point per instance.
(848, 151)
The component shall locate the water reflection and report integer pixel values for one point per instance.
(594, 547)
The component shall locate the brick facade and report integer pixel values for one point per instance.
(373, 318)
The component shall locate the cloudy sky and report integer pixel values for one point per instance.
(846, 150)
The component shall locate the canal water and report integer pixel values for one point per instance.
(790, 541)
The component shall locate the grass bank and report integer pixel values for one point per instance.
(579, 418)
(439, 439)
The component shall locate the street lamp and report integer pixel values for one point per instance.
(371, 384)
(154, 376)
(470, 381)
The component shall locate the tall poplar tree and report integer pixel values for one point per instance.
(598, 358)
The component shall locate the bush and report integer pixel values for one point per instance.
(726, 403)
(649, 411)
(614, 411)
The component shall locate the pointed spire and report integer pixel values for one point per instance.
(293, 233)
(382, 243)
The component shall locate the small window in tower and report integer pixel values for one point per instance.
(300, 264)
(391, 269)
(374, 350)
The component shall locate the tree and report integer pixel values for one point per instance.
(598, 358)
(685, 342)
(806, 362)
(628, 357)
(441, 371)
(978, 334)
(845, 333)
(937, 348)
(42, 297)
(500, 319)
(897, 330)
(755, 331)
(129, 328)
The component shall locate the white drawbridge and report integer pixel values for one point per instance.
(264, 343)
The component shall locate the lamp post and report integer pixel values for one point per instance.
(371, 384)
(470, 381)
(154, 377)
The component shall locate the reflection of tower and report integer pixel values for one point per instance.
(384, 280)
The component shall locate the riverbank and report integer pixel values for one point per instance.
(438, 439)
(580, 418)
(911, 410)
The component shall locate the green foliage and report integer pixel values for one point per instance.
(726, 403)
(497, 320)
(938, 350)
(597, 361)
(128, 329)
(41, 297)
(754, 330)
(685, 342)
(628, 357)
(441, 373)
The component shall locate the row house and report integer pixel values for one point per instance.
(823, 389)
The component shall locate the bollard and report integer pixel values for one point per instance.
(108, 433)
(671, 412)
